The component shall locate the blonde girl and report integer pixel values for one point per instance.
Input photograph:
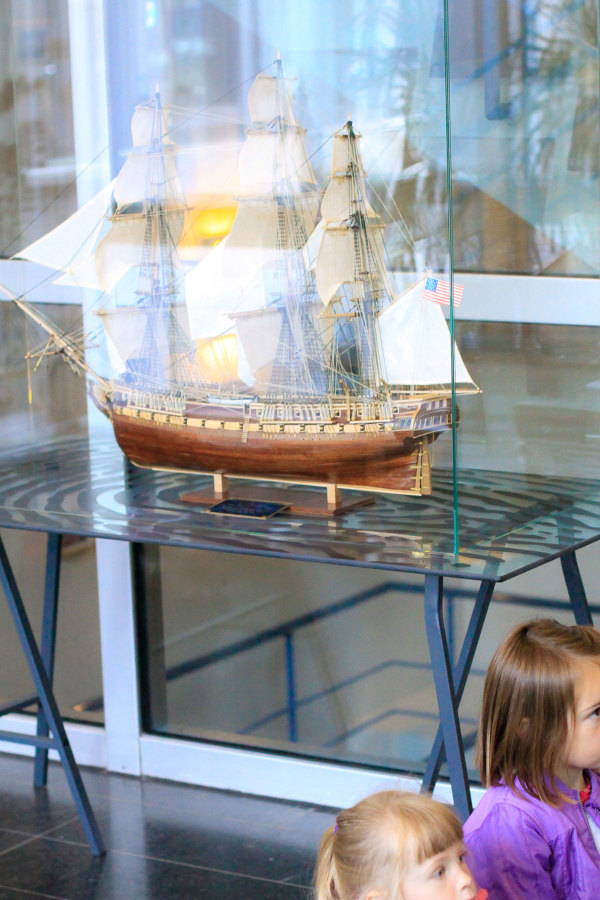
(536, 832)
(394, 846)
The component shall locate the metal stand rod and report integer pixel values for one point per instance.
(574, 583)
(51, 585)
(50, 708)
(460, 677)
(446, 698)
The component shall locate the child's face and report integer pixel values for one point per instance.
(442, 877)
(584, 745)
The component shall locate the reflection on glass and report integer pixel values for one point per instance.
(525, 131)
(36, 125)
(318, 661)
(37, 403)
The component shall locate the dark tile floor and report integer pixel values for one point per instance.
(164, 840)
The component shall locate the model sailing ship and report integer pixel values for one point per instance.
(285, 353)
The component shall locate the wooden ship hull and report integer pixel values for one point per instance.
(381, 454)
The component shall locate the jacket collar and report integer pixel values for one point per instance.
(567, 791)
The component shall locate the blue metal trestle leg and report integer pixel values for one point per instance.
(460, 677)
(51, 585)
(574, 583)
(45, 696)
(446, 697)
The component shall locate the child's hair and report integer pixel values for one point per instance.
(529, 703)
(373, 844)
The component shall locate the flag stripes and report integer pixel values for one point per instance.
(439, 291)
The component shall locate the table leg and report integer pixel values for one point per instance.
(51, 585)
(291, 686)
(460, 677)
(446, 698)
(574, 582)
(49, 706)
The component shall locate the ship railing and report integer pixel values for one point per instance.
(153, 402)
(372, 410)
(320, 412)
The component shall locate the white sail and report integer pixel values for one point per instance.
(94, 249)
(336, 204)
(124, 328)
(335, 261)
(267, 100)
(273, 153)
(146, 174)
(340, 153)
(70, 246)
(257, 341)
(119, 251)
(415, 342)
(332, 249)
(267, 158)
(220, 283)
(337, 201)
(236, 276)
(138, 180)
(146, 126)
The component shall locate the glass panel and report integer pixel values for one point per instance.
(305, 313)
(78, 668)
(255, 660)
(524, 107)
(294, 657)
(36, 127)
(36, 406)
(38, 190)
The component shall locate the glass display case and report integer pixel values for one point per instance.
(349, 245)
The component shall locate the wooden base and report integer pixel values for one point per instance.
(299, 501)
(412, 476)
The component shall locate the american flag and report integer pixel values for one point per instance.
(440, 291)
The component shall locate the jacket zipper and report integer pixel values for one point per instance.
(587, 822)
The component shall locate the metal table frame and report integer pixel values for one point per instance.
(144, 510)
(450, 682)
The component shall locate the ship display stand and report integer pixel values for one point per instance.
(511, 524)
(257, 500)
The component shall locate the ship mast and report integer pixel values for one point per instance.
(367, 285)
(299, 367)
(350, 271)
(165, 352)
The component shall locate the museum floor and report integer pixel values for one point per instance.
(164, 840)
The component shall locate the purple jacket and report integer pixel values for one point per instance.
(522, 848)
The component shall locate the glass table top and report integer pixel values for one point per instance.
(508, 522)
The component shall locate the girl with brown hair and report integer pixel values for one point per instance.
(394, 846)
(536, 831)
